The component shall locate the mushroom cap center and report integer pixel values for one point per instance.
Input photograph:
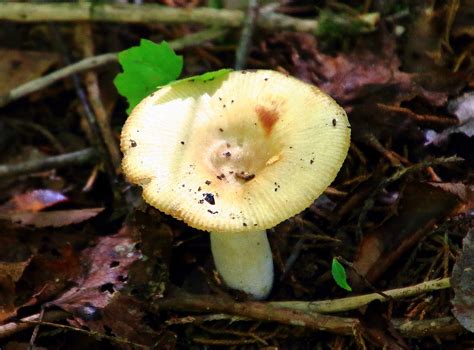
(239, 153)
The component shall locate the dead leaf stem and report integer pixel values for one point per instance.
(74, 158)
(11, 328)
(245, 42)
(93, 334)
(153, 13)
(98, 61)
(84, 32)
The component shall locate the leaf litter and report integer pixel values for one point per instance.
(463, 284)
(109, 264)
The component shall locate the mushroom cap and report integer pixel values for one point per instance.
(236, 153)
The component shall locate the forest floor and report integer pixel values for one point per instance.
(84, 263)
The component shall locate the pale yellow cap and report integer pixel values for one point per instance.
(238, 153)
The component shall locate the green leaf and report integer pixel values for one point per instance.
(145, 68)
(208, 76)
(215, 4)
(339, 26)
(339, 275)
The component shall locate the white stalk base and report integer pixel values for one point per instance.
(244, 261)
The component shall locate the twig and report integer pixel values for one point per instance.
(89, 333)
(242, 334)
(295, 253)
(97, 138)
(125, 13)
(97, 61)
(246, 36)
(394, 158)
(283, 311)
(41, 83)
(424, 328)
(74, 158)
(421, 118)
(11, 328)
(224, 342)
(256, 311)
(351, 303)
(408, 328)
(363, 278)
(31, 346)
(85, 37)
(152, 13)
(244, 311)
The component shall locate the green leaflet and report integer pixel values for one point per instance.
(339, 275)
(208, 76)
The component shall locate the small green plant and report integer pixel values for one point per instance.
(339, 26)
(148, 67)
(339, 274)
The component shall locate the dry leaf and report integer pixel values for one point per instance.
(462, 281)
(33, 201)
(55, 218)
(106, 272)
(463, 108)
(10, 273)
(23, 66)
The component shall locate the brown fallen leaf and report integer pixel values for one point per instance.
(10, 273)
(97, 300)
(21, 66)
(370, 71)
(106, 271)
(55, 218)
(465, 193)
(423, 40)
(156, 239)
(124, 316)
(421, 206)
(462, 281)
(33, 201)
(48, 274)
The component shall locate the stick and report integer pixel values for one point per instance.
(152, 13)
(94, 334)
(11, 328)
(351, 303)
(84, 39)
(247, 34)
(408, 328)
(425, 328)
(243, 311)
(79, 157)
(97, 61)
(256, 311)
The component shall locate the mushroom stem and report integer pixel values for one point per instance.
(244, 261)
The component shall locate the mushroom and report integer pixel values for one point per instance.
(236, 155)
